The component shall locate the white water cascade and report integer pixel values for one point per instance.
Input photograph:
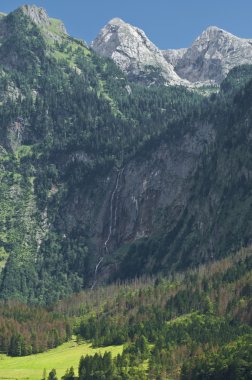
(112, 222)
(113, 206)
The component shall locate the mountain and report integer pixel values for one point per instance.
(208, 61)
(213, 54)
(134, 53)
(105, 179)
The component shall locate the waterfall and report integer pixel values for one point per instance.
(112, 222)
(95, 273)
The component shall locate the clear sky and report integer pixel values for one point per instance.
(168, 23)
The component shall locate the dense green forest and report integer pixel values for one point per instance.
(197, 324)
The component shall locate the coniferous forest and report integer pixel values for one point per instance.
(81, 257)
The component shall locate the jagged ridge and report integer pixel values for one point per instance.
(134, 53)
(213, 54)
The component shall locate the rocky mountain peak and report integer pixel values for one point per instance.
(210, 58)
(36, 14)
(134, 53)
(212, 55)
(213, 34)
(213, 29)
(117, 21)
(40, 17)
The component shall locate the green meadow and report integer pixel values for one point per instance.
(60, 358)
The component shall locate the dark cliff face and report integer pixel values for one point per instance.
(128, 204)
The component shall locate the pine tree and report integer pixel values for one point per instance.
(52, 375)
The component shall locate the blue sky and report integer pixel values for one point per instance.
(168, 23)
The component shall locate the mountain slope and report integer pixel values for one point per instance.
(105, 179)
(217, 215)
(67, 125)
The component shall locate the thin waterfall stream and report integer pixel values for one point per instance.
(112, 224)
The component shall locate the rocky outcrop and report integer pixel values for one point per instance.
(173, 56)
(40, 18)
(134, 53)
(37, 15)
(213, 54)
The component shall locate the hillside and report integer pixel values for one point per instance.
(195, 324)
(105, 179)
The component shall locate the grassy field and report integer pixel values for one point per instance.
(60, 358)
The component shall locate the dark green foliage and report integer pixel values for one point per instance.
(96, 367)
(103, 367)
(52, 375)
(23, 46)
(232, 362)
(69, 375)
(237, 78)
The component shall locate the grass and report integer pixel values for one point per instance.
(60, 358)
(55, 26)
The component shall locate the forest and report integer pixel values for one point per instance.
(194, 324)
(177, 299)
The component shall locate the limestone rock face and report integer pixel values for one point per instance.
(173, 56)
(37, 15)
(208, 61)
(213, 54)
(40, 17)
(134, 53)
